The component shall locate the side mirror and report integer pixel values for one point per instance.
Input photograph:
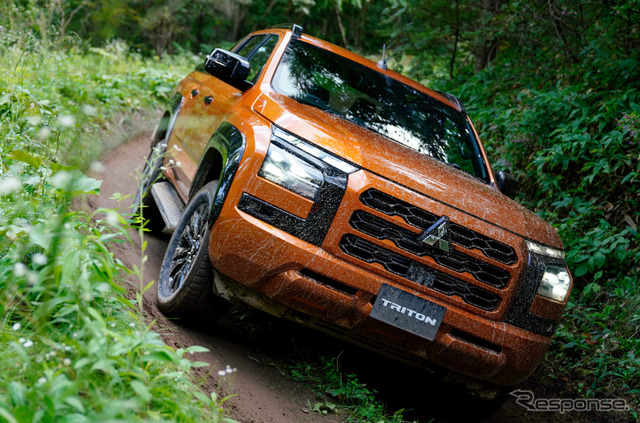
(507, 184)
(228, 67)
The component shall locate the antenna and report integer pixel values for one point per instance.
(382, 64)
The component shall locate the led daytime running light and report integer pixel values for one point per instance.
(543, 250)
(314, 151)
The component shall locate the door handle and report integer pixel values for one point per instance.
(208, 99)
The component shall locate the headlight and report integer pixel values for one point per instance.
(291, 172)
(298, 166)
(555, 283)
(346, 167)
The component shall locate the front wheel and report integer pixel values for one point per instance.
(185, 287)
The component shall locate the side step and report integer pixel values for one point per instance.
(169, 204)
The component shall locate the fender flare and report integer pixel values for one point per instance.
(220, 160)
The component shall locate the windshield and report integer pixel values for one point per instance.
(377, 102)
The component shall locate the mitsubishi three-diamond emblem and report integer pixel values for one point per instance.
(438, 235)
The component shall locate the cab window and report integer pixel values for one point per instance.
(257, 50)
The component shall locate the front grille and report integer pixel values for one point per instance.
(373, 231)
(410, 269)
(406, 240)
(423, 219)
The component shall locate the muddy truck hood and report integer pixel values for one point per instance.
(407, 167)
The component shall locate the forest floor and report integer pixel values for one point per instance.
(258, 346)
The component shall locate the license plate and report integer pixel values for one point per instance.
(408, 312)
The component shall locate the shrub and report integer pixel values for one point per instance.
(74, 346)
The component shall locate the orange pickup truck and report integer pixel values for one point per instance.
(314, 184)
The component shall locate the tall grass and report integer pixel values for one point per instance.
(73, 347)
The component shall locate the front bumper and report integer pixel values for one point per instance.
(339, 295)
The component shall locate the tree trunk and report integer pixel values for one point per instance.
(487, 44)
(344, 36)
(455, 41)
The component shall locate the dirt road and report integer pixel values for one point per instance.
(255, 344)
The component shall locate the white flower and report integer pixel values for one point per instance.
(39, 259)
(66, 362)
(31, 278)
(16, 326)
(97, 167)
(34, 120)
(28, 343)
(42, 380)
(112, 218)
(227, 371)
(9, 185)
(61, 179)
(66, 120)
(32, 180)
(19, 270)
(44, 132)
(178, 164)
(88, 109)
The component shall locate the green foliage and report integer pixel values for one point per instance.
(435, 49)
(337, 391)
(159, 27)
(598, 342)
(46, 91)
(560, 110)
(350, 391)
(74, 345)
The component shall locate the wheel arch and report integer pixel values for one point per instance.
(168, 120)
(220, 161)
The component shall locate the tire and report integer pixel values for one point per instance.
(185, 287)
(144, 205)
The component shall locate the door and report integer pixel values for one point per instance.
(208, 104)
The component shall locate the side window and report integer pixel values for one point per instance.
(257, 50)
(259, 58)
(247, 48)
